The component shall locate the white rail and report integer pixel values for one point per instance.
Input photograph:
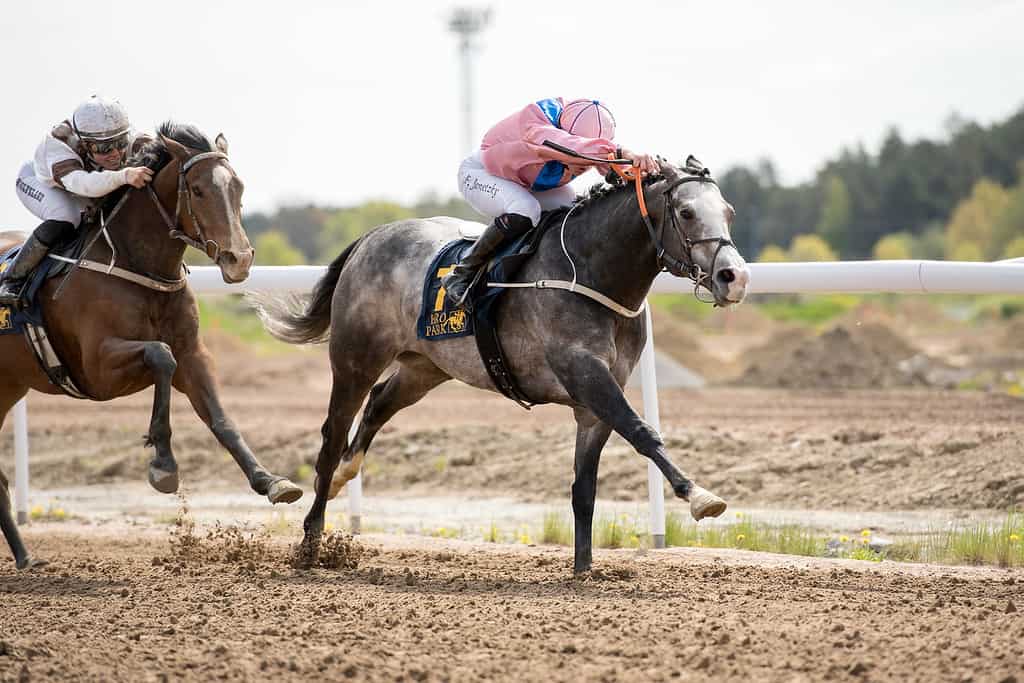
(857, 277)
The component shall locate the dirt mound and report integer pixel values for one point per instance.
(846, 357)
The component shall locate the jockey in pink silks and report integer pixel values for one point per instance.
(514, 176)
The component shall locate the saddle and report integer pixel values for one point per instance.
(439, 320)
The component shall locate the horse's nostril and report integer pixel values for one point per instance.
(228, 258)
(726, 275)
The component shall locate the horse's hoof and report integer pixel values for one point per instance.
(30, 563)
(163, 481)
(703, 503)
(306, 555)
(283, 491)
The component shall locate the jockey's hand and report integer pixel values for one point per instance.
(138, 176)
(645, 162)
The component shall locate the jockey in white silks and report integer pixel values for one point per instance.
(514, 176)
(80, 160)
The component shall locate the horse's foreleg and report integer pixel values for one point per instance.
(591, 436)
(119, 365)
(195, 379)
(591, 384)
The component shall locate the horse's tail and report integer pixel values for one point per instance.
(290, 319)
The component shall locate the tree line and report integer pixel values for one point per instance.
(960, 197)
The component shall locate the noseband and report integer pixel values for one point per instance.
(199, 241)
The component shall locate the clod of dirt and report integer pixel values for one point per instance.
(853, 435)
(222, 544)
(1010, 607)
(339, 550)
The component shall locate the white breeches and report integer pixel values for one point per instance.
(48, 203)
(493, 196)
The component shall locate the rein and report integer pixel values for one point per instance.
(209, 247)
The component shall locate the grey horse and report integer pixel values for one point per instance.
(562, 347)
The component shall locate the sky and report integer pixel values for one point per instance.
(341, 102)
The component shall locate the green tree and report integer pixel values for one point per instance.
(772, 254)
(274, 249)
(834, 223)
(1009, 225)
(1014, 249)
(898, 245)
(974, 219)
(810, 248)
(344, 226)
(930, 244)
(967, 251)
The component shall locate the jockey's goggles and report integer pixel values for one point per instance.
(106, 146)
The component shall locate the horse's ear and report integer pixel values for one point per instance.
(177, 150)
(222, 143)
(667, 169)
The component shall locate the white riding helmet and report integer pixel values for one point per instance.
(99, 120)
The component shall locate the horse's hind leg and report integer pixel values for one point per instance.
(22, 560)
(353, 376)
(413, 380)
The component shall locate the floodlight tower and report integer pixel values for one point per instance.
(467, 23)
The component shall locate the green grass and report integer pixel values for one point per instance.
(492, 534)
(745, 534)
(987, 543)
(556, 529)
(681, 305)
(231, 315)
(808, 310)
(618, 532)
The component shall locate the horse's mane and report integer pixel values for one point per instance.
(154, 153)
(612, 186)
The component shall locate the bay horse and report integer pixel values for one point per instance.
(563, 348)
(117, 336)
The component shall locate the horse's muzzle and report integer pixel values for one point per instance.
(730, 285)
(234, 267)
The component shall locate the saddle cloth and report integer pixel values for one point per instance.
(438, 320)
(29, 319)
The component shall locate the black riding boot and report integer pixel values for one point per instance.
(13, 279)
(456, 283)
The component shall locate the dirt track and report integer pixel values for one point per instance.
(427, 609)
(123, 605)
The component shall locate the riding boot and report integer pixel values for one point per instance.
(457, 283)
(13, 279)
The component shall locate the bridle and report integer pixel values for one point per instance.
(199, 241)
(686, 267)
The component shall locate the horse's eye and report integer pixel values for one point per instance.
(196, 192)
(687, 213)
